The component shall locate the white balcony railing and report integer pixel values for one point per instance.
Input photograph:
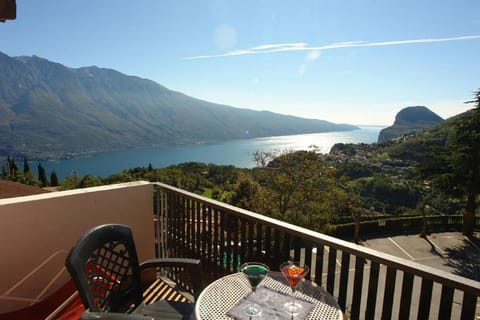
(368, 284)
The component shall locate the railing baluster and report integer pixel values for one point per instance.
(388, 293)
(176, 245)
(181, 226)
(216, 241)
(425, 299)
(445, 310)
(187, 227)
(297, 246)
(268, 245)
(209, 235)
(228, 256)
(286, 247)
(159, 225)
(319, 265)
(406, 298)
(244, 244)
(203, 235)
(222, 242)
(250, 240)
(469, 304)
(192, 227)
(308, 256)
(372, 291)
(332, 262)
(182, 220)
(277, 251)
(259, 254)
(188, 221)
(198, 230)
(168, 225)
(342, 293)
(236, 244)
(357, 288)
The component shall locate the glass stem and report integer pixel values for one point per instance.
(253, 298)
(293, 296)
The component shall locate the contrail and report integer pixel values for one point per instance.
(301, 46)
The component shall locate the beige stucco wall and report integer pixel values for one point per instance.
(36, 233)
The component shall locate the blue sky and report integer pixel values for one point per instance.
(357, 61)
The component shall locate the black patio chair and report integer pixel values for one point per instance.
(111, 283)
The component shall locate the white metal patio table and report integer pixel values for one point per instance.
(221, 295)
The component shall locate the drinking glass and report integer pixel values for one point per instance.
(255, 272)
(294, 272)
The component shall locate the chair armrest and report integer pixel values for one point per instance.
(192, 266)
(89, 315)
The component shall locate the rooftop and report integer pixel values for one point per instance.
(10, 189)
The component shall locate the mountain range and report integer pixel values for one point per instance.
(50, 110)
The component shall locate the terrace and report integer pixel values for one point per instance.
(37, 231)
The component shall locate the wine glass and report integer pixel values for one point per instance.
(255, 272)
(294, 272)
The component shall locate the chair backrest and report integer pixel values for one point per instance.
(104, 267)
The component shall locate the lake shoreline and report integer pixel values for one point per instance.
(62, 155)
(238, 152)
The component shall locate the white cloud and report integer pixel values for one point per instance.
(267, 48)
(281, 46)
(301, 46)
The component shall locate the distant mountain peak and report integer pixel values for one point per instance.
(416, 114)
(408, 120)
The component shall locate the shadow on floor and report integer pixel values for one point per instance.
(465, 258)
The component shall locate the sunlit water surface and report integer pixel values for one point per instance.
(236, 152)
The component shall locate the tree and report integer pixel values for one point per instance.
(26, 167)
(12, 167)
(71, 182)
(299, 188)
(455, 167)
(467, 163)
(28, 178)
(42, 176)
(244, 193)
(13, 173)
(53, 179)
(356, 215)
(262, 158)
(90, 181)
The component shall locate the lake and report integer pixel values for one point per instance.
(238, 153)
